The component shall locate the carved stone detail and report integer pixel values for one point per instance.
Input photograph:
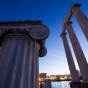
(35, 32)
(39, 33)
(43, 50)
(20, 49)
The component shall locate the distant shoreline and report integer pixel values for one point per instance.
(58, 80)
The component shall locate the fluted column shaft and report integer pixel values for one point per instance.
(71, 64)
(19, 63)
(82, 20)
(78, 53)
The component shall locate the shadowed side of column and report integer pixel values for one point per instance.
(79, 53)
(70, 59)
(81, 18)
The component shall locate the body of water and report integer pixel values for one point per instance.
(62, 84)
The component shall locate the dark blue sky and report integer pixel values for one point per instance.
(52, 13)
(31, 9)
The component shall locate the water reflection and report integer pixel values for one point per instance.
(63, 84)
(41, 85)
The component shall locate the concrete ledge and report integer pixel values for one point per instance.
(78, 85)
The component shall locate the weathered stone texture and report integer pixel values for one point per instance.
(20, 48)
(78, 53)
(71, 64)
(82, 20)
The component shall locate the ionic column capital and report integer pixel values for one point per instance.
(36, 33)
(69, 58)
(69, 22)
(74, 5)
(34, 30)
(39, 32)
(63, 34)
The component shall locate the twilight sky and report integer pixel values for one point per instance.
(52, 13)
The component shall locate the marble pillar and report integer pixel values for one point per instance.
(20, 49)
(78, 53)
(70, 61)
(81, 18)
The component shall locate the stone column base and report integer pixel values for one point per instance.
(78, 85)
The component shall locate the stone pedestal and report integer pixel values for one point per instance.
(70, 61)
(78, 85)
(79, 53)
(48, 83)
(20, 49)
(81, 18)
